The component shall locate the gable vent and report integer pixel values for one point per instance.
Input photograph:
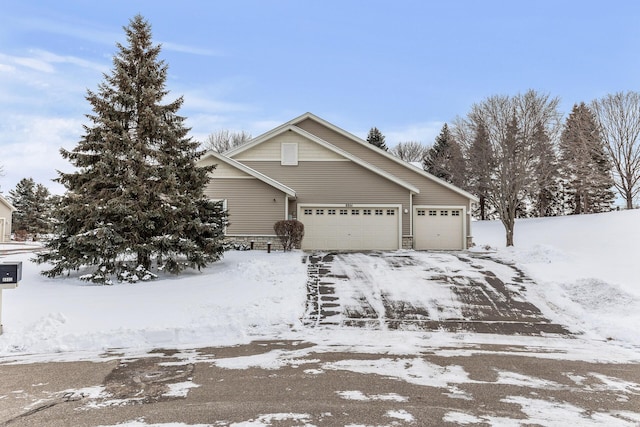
(289, 154)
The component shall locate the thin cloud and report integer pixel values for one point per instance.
(424, 133)
(43, 61)
(79, 29)
(31, 148)
(193, 50)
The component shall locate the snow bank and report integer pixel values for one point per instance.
(586, 268)
(246, 295)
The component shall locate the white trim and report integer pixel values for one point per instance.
(251, 235)
(386, 154)
(463, 217)
(333, 148)
(246, 169)
(3, 224)
(302, 206)
(291, 123)
(286, 207)
(259, 159)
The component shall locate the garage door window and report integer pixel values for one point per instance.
(391, 212)
(444, 213)
(433, 213)
(455, 213)
(344, 211)
(331, 211)
(308, 211)
(319, 211)
(355, 211)
(366, 211)
(421, 212)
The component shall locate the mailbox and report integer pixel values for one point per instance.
(10, 273)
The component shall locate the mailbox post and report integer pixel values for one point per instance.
(10, 275)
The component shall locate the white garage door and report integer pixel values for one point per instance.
(438, 228)
(350, 228)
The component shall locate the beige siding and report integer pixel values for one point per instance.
(431, 192)
(340, 182)
(270, 150)
(222, 169)
(253, 206)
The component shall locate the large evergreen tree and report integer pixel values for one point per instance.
(33, 205)
(545, 189)
(375, 137)
(481, 163)
(445, 159)
(586, 169)
(137, 197)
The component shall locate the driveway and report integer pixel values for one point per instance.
(422, 291)
(304, 383)
(294, 383)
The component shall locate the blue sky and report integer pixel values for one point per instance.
(406, 67)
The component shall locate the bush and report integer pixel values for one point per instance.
(290, 233)
(21, 235)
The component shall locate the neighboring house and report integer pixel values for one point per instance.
(348, 194)
(6, 210)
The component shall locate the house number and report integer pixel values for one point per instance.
(348, 205)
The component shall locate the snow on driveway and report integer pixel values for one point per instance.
(412, 290)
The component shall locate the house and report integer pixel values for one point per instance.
(6, 210)
(349, 194)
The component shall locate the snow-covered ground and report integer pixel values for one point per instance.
(587, 268)
(586, 271)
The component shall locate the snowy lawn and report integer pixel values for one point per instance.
(585, 267)
(233, 301)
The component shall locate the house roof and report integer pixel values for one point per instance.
(291, 125)
(325, 144)
(246, 169)
(7, 204)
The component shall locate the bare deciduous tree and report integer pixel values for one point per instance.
(410, 151)
(512, 124)
(223, 140)
(618, 117)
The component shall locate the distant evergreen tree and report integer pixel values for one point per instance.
(481, 163)
(375, 137)
(445, 159)
(33, 207)
(137, 196)
(586, 168)
(546, 197)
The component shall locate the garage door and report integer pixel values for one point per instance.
(438, 228)
(350, 228)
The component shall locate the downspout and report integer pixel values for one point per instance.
(411, 194)
(286, 206)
